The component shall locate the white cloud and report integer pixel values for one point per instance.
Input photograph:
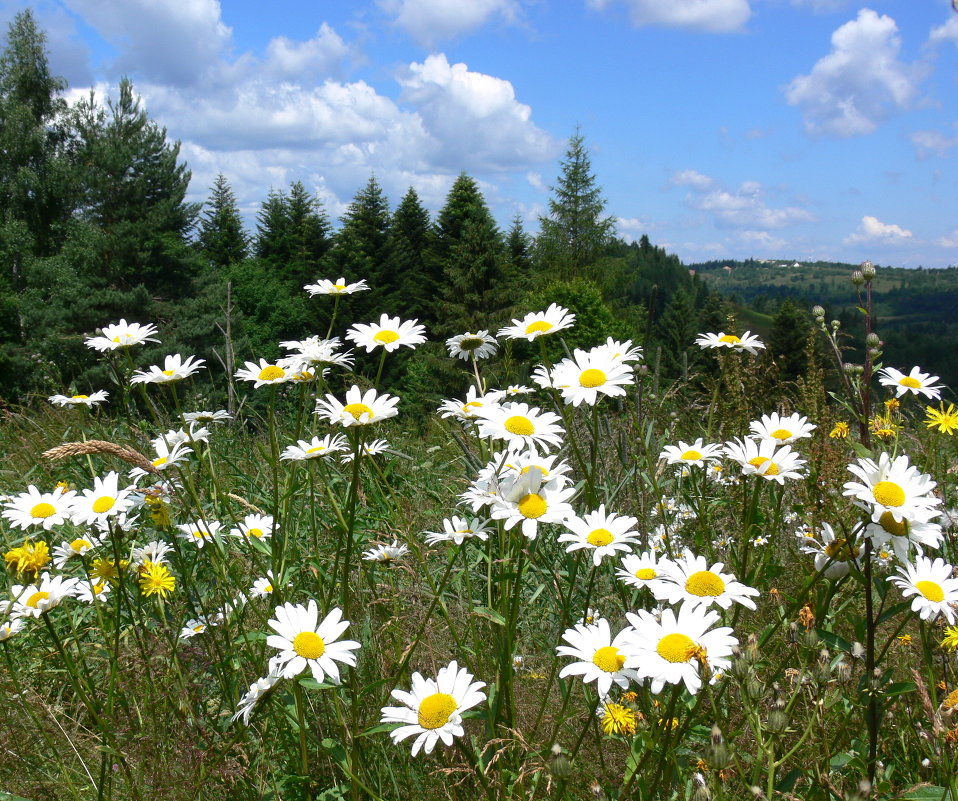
(859, 83)
(932, 143)
(948, 32)
(712, 16)
(632, 228)
(321, 56)
(874, 230)
(534, 180)
(949, 240)
(745, 207)
(432, 21)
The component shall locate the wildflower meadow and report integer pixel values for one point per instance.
(577, 580)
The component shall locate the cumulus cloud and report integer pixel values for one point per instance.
(932, 143)
(873, 230)
(745, 207)
(949, 240)
(432, 21)
(322, 56)
(712, 16)
(948, 32)
(859, 83)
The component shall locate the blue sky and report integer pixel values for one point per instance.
(800, 129)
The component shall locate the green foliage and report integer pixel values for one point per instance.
(222, 239)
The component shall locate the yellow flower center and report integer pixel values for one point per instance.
(676, 648)
(691, 456)
(254, 532)
(467, 406)
(104, 504)
(339, 287)
(317, 449)
(896, 529)
(705, 583)
(888, 493)
(600, 537)
(908, 381)
(309, 645)
(645, 573)
(932, 591)
(609, 659)
(538, 327)
(386, 337)
(435, 710)
(520, 425)
(840, 550)
(357, 410)
(160, 461)
(731, 339)
(80, 397)
(766, 467)
(167, 372)
(35, 599)
(200, 534)
(268, 588)
(592, 378)
(533, 506)
(43, 510)
(271, 373)
(79, 545)
(781, 434)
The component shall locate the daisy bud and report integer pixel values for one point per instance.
(755, 688)
(873, 353)
(867, 269)
(858, 278)
(848, 368)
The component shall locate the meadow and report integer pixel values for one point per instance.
(579, 580)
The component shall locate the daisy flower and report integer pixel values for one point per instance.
(833, 554)
(360, 408)
(80, 400)
(104, 501)
(517, 389)
(670, 649)
(747, 342)
(193, 627)
(698, 453)
(389, 333)
(521, 426)
(315, 351)
(919, 531)
(154, 551)
(372, 448)
(315, 448)
(892, 486)
(605, 534)
(916, 382)
(643, 570)
(539, 505)
(693, 581)
(472, 407)
(765, 459)
(386, 553)
(587, 375)
(783, 430)
(32, 600)
(89, 591)
(264, 374)
(535, 324)
(35, 508)
(933, 586)
(166, 455)
(602, 659)
(253, 526)
(256, 691)
(262, 586)
(432, 709)
(66, 551)
(10, 627)
(174, 369)
(472, 346)
(458, 530)
(304, 643)
(219, 416)
(553, 470)
(121, 335)
(198, 533)
(338, 287)
(620, 351)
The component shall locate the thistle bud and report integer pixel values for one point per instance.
(873, 340)
(858, 278)
(868, 270)
(874, 353)
(777, 721)
(810, 639)
(559, 765)
(717, 753)
(818, 311)
(754, 688)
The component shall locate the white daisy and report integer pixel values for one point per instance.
(833, 554)
(9, 628)
(458, 530)
(919, 531)
(783, 430)
(90, 591)
(693, 581)
(80, 400)
(256, 691)
(916, 382)
(360, 408)
(121, 335)
(643, 570)
(472, 407)
(167, 456)
(765, 459)
(66, 551)
(35, 508)
(603, 534)
(602, 659)
(264, 374)
(315, 351)
(303, 642)
(555, 472)
(587, 375)
(104, 501)
(933, 585)
(521, 426)
(193, 627)
(253, 526)
(174, 369)
(199, 533)
(531, 505)
(32, 600)
(433, 708)
(698, 453)
(472, 346)
(535, 324)
(892, 486)
(747, 342)
(315, 448)
(517, 389)
(263, 586)
(622, 351)
(672, 649)
(386, 553)
(389, 333)
(338, 287)
(372, 448)
(219, 416)
(154, 552)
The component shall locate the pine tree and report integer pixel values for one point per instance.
(575, 233)
(222, 238)
(788, 339)
(412, 282)
(307, 235)
(272, 229)
(519, 248)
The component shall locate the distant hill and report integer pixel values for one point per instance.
(916, 310)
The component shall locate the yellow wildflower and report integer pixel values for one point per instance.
(840, 431)
(945, 420)
(29, 557)
(617, 719)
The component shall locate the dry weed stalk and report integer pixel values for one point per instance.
(127, 454)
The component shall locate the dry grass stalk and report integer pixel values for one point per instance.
(128, 455)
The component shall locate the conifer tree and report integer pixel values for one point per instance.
(412, 282)
(222, 238)
(575, 233)
(308, 235)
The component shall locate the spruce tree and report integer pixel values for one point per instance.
(222, 239)
(575, 233)
(308, 235)
(412, 282)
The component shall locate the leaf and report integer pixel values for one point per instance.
(11, 797)
(900, 688)
(787, 782)
(928, 792)
(489, 614)
(834, 641)
(892, 611)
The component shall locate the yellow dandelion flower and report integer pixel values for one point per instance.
(107, 569)
(156, 579)
(617, 719)
(29, 557)
(840, 431)
(159, 511)
(945, 420)
(904, 639)
(950, 643)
